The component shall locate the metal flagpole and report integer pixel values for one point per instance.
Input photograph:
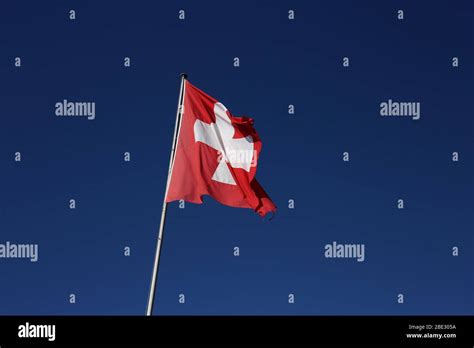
(151, 296)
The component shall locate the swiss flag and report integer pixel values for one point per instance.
(216, 155)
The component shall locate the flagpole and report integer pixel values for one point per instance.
(151, 296)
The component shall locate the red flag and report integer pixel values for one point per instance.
(216, 155)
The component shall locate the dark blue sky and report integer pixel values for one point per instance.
(282, 62)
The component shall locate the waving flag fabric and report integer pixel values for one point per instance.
(216, 155)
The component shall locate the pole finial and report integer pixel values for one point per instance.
(183, 75)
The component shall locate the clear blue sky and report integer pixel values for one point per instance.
(282, 62)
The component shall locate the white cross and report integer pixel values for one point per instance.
(237, 152)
